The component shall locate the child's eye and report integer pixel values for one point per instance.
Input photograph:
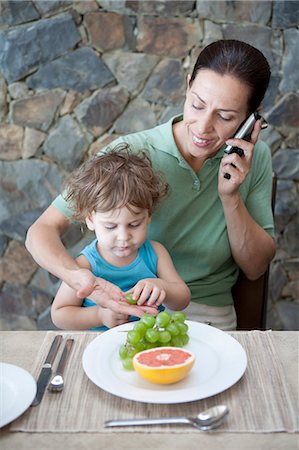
(135, 224)
(110, 227)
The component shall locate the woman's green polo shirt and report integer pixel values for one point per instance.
(190, 221)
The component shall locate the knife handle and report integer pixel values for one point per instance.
(53, 350)
(45, 373)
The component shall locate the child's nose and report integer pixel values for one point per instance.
(123, 234)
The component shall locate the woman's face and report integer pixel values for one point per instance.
(215, 107)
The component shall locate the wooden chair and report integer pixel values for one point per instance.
(250, 297)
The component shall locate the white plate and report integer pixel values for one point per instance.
(17, 390)
(220, 363)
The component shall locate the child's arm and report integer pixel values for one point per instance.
(67, 311)
(168, 288)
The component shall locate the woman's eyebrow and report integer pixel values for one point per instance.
(219, 109)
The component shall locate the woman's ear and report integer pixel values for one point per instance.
(188, 82)
(89, 222)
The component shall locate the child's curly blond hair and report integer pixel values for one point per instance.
(113, 180)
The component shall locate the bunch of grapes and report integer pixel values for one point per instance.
(150, 332)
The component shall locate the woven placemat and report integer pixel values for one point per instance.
(257, 403)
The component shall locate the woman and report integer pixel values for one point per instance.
(211, 224)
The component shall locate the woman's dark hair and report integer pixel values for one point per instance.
(240, 60)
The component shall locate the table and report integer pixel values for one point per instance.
(21, 348)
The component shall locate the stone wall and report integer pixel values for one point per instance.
(76, 74)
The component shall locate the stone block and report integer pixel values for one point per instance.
(66, 143)
(285, 14)
(277, 280)
(289, 315)
(167, 8)
(11, 142)
(285, 112)
(32, 141)
(3, 101)
(27, 185)
(50, 6)
(80, 70)
(166, 85)
(168, 37)
(16, 226)
(16, 300)
(17, 265)
(37, 111)
(109, 30)
(98, 112)
(286, 164)
(286, 204)
(235, 11)
(17, 12)
(131, 69)
(18, 89)
(290, 63)
(137, 116)
(25, 48)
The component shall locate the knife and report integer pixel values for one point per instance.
(46, 371)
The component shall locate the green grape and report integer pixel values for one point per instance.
(178, 316)
(185, 339)
(129, 299)
(183, 327)
(140, 327)
(128, 364)
(133, 337)
(140, 346)
(177, 341)
(164, 337)
(148, 320)
(150, 345)
(152, 335)
(163, 319)
(123, 351)
(173, 329)
(132, 350)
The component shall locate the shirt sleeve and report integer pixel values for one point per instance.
(64, 207)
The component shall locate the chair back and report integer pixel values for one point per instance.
(251, 296)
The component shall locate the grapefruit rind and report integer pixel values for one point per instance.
(167, 372)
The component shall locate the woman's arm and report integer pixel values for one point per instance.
(168, 288)
(252, 247)
(67, 312)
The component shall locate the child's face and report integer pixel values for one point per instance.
(120, 233)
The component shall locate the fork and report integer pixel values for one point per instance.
(57, 382)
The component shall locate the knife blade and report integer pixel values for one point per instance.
(46, 371)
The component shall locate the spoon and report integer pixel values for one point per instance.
(206, 420)
(57, 382)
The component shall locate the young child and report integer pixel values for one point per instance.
(116, 194)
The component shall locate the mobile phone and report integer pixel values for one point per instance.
(244, 132)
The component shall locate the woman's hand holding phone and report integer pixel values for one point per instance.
(238, 155)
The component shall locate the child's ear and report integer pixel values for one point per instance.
(89, 223)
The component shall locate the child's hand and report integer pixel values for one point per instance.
(112, 319)
(148, 292)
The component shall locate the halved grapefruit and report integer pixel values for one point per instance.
(164, 365)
